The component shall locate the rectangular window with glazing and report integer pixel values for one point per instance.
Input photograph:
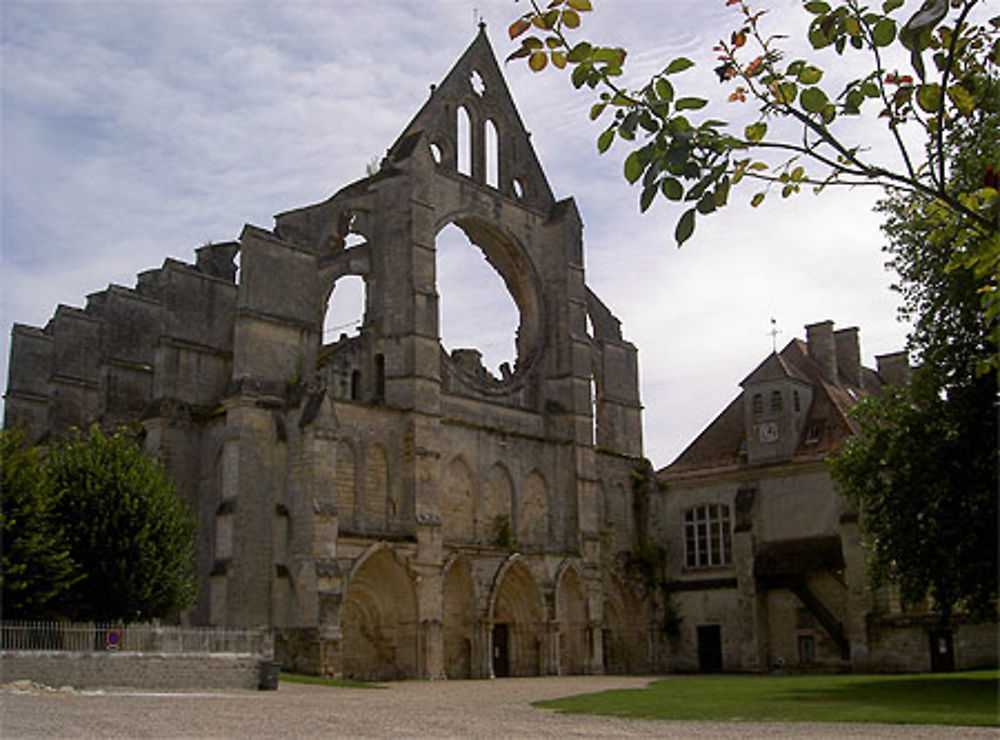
(707, 540)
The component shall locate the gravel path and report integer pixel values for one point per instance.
(467, 709)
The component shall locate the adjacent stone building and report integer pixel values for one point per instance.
(765, 564)
(392, 509)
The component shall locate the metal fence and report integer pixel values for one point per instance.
(138, 638)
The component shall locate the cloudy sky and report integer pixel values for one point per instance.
(135, 131)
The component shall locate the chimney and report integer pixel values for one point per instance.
(822, 348)
(849, 355)
(894, 368)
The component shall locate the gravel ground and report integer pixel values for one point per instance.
(466, 709)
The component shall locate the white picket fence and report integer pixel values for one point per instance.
(144, 638)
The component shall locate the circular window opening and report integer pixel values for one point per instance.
(482, 313)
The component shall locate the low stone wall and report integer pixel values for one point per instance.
(91, 670)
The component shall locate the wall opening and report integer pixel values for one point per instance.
(345, 310)
(492, 155)
(464, 135)
(476, 309)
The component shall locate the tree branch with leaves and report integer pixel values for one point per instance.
(697, 162)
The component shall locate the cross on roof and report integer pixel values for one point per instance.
(775, 331)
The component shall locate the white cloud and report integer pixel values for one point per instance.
(136, 131)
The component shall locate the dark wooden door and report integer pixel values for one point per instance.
(942, 651)
(501, 661)
(710, 648)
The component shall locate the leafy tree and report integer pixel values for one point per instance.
(131, 535)
(796, 136)
(924, 468)
(37, 567)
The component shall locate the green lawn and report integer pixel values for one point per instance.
(340, 683)
(935, 699)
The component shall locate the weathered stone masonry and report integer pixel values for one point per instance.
(390, 508)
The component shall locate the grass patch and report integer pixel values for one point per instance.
(969, 698)
(338, 683)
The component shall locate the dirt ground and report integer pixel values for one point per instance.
(466, 709)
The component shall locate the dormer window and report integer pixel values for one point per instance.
(776, 403)
(758, 404)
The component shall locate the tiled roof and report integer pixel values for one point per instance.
(722, 443)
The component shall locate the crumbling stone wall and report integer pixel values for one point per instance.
(390, 508)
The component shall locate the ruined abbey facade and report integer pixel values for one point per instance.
(389, 508)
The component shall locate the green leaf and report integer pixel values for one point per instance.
(813, 100)
(706, 204)
(570, 18)
(646, 199)
(605, 139)
(584, 5)
(580, 75)
(722, 192)
(685, 227)
(929, 97)
(817, 8)
(757, 199)
(672, 188)
(817, 37)
(664, 90)
(788, 91)
(890, 5)
(810, 75)
(884, 32)
(756, 132)
(678, 65)
(633, 167)
(596, 110)
(579, 53)
(537, 61)
(962, 99)
(690, 103)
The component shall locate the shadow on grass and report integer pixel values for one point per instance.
(954, 699)
(961, 697)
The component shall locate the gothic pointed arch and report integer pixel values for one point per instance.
(533, 513)
(459, 618)
(379, 618)
(572, 618)
(458, 502)
(498, 498)
(517, 611)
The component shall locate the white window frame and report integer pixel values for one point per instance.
(707, 537)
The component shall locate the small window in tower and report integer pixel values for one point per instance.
(796, 401)
(492, 155)
(812, 434)
(518, 188)
(436, 153)
(775, 400)
(758, 403)
(464, 148)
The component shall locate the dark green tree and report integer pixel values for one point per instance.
(37, 567)
(129, 532)
(924, 469)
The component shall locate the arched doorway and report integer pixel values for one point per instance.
(379, 621)
(518, 619)
(459, 620)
